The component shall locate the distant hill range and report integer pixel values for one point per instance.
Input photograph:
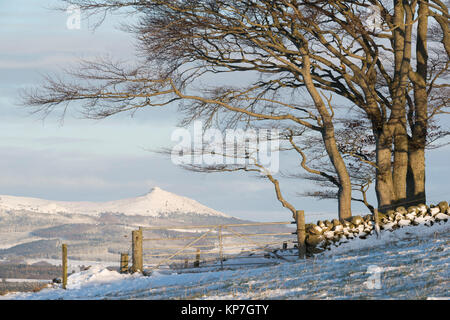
(34, 228)
(155, 203)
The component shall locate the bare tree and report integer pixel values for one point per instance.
(300, 49)
(185, 40)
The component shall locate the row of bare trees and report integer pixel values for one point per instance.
(300, 58)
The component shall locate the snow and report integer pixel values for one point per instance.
(328, 234)
(25, 280)
(388, 226)
(154, 203)
(409, 263)
(434, 210)
(96, 275)
(404, 222)
(441, 216)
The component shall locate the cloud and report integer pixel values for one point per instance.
(65, 140)
(49, 61)
(61, 174)
(85, 182)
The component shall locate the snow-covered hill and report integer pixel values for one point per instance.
(32, 228)
(155, 203)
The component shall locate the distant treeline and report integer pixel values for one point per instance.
(24, 271)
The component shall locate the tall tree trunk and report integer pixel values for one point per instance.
(384, 186)
(328, 136)
(416, 177)
(344, 200)
(400, 165)
(403, 19)
(416, 155)
(345, 189)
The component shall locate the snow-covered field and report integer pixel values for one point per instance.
(410, 263)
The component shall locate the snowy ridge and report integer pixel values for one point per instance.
(155, 203)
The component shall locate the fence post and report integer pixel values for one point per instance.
(376, 223)
(197, 259)
(64, 266)
(221, 247)
(138, 263)
(301, 233)
(123, 262)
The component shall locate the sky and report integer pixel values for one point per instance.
(80, 159)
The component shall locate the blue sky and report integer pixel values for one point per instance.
(109, 159)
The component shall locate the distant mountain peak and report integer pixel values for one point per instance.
(155, 189)
(154, 203)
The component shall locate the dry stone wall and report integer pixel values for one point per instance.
(327, 234)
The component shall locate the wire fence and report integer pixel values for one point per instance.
(190, 248)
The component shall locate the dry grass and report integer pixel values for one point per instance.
(10, 287)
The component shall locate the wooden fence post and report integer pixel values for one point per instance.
(124, 263)
(197, 259)
(376, 223)
(301, 233)
(138, 263)
(64, 266)
(221, 247)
